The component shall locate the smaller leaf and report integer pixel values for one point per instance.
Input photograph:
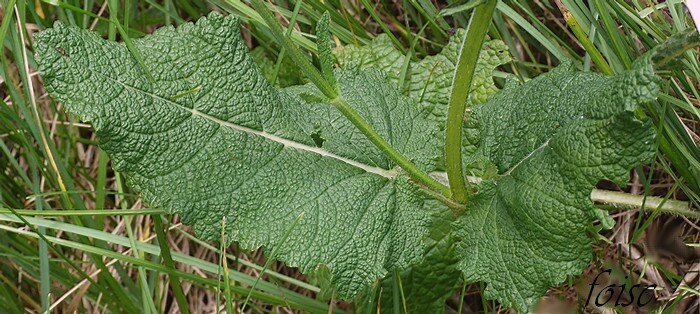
(665, 55)
(325, 55)
(322, 277)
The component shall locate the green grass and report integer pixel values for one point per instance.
(94, 246)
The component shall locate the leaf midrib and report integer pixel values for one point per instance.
(389, 174)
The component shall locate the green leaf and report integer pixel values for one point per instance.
(323, 41)
(551, 139)
(429, 80)
(379, 54)
(233, 147)
(428, 284)
(322, 278)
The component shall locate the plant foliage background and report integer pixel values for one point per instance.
(107, 252)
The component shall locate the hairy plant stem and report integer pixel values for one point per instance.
(299, 59)
(331, 92)
(376, 139)
(619, 200)
(466, 64)
(604, 199)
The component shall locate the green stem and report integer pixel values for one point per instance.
(376, 139)
(301, 61)
(466, 64)
(331, 92)
(168, 260)
(621, 200)
(585, 41)
(290, 28)
(609, 200)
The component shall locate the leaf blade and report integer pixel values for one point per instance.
(235, 147)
